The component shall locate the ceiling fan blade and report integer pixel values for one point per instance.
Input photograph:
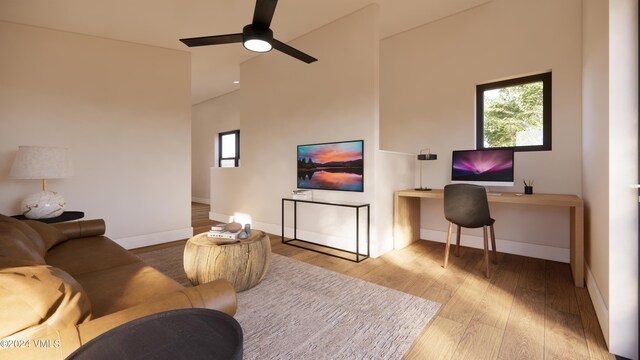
(263, 13)
(213, 40)
(278, 45)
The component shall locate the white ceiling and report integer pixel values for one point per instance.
(214, 68)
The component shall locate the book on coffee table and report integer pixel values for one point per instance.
(223, 234)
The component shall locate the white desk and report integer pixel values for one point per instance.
(406, 219)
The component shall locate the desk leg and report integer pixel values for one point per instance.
(406, 220)
(577, 245)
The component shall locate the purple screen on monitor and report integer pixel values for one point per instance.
(482, 165)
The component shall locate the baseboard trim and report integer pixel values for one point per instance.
(505, 246)
(134, 242)
(201, 200)
(602, 312)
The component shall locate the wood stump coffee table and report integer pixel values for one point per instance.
(243, 264)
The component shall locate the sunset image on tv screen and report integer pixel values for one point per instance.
(331, 166)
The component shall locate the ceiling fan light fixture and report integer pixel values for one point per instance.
(256, 37)
(257, 45)
(257, 40)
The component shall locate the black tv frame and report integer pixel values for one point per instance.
(329, 143)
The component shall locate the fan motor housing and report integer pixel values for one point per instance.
(251, 32)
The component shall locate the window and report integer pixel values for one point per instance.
(229, 148)
(515, 113)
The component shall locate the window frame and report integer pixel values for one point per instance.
(546, 109)
(236, 159)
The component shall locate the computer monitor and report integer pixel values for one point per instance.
(486, 167)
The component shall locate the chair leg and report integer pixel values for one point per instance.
(486, 251)
(458, 242)
(446, 248)
(494, 255)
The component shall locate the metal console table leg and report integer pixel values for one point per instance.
(299, 242)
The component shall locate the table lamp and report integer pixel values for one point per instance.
(41, 162)
(421, 157)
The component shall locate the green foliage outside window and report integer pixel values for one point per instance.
(515, 113)
(513, 116)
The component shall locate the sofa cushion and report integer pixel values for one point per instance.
(20, 241)
(89, 254)
(49, 235)
(9, 262)
(36, 300)
(125, 286)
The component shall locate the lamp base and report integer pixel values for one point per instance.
(422, 189)
(43, 205)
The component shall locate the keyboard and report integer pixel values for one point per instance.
(494, 194)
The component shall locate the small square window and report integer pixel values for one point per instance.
(515, 113)
(229, 149)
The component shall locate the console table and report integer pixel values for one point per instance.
(406, 219)
(337, 252)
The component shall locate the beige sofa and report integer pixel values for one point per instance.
(62, 285)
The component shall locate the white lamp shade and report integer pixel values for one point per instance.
(41, 162)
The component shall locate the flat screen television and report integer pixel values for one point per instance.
(331, 166)
(486, 167)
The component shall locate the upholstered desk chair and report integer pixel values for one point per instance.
(466, 206)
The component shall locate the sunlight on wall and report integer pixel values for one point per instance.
(240, 218)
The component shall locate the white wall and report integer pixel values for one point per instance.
(428, 82)
(208, 119)
(610, 128)
(394, 171)
(595, 132)
(285, 103)
(122, 109)
(623, 175)
(610, 133)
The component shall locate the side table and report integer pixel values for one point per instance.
(65, 216)
(243, 264)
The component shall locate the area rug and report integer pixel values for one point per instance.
(168, 261)
(301, 311)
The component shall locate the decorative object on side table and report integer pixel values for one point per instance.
(422, 157)
(233, 227)
(246, 232)
(223, 235)
(41, 162)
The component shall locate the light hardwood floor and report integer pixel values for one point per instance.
(527, 309)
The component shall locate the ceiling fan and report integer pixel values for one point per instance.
(256, 36)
